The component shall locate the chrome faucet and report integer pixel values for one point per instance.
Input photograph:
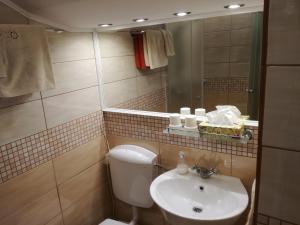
(204, 172)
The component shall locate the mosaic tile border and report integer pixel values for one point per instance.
(29, 152)
(153, 101)
(263, 219)
(151, 128)
(226, 85)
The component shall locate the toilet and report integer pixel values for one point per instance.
(132, 170)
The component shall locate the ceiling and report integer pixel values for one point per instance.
(84, 15)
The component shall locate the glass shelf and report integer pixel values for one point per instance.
(244, 138)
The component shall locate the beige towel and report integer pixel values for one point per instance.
(146, 56)
(3, 56)
(156, 49)
(29, 67)
(169, 43)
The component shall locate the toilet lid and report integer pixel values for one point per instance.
(112, 222)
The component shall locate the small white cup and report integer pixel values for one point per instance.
(185, 111)
(190, 122)
(200, 112)
(175, 120)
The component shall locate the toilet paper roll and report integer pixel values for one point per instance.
(175, 120)
(185, 111)
(200, 112)
(190, 122)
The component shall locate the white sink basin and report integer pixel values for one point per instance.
(189, 199)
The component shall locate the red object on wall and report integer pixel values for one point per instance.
(139, 51)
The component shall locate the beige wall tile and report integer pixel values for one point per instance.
(116, 44)
(164, 78)
(169, 158)
(118, 140)
(41, 211)
(26, 188)
(62, 108)
(151, 216)
(241, 37)
(118, 68)
(5, 102)
(71, 76)
(245, 169)
(21, 120)
(79, 159)
(239, 100)
(240, 54)
(212, 99)
(216, 55)
(279, 184)
(216, 70)
(123, 211)
(284, 32)
(58, 220)
(70, 46)
(243, 20)
(120, 91)
(148, 83)
(239, 69)
(282, 107)
(217, 23)
(79, 186)
(217, 39)
(10, 16)
(92, 209)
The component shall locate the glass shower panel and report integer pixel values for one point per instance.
(179, 68)
(255, 68)
(197, 64)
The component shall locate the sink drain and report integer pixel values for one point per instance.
(197, 209)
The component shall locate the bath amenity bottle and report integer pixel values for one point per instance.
(182, 167)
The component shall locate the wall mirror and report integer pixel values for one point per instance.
(216, 62)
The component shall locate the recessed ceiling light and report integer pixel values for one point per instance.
(105, 25)
(182, 13)
(234, 6)
(140, 20)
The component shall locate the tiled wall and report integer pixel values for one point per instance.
(123, 84)
(52, 144)
(68, 190)
(227, 53)
(146, 131)
(232, 91)
(279, 194)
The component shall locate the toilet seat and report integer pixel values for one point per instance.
(112, 222)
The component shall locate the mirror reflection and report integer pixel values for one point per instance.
(206, 62)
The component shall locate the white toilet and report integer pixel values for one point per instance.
(132, 171)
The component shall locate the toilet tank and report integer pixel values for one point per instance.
(132, 171)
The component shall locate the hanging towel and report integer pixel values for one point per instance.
(29, 67)
(3, 57)
(145, 48)
(139, 51)
(169, 43)
(156, 49)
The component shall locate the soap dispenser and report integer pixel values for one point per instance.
(182, 167)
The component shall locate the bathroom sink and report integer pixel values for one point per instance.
(189, 199)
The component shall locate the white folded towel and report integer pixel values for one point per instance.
(169, 42)
(27, 63)
(156, 49)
